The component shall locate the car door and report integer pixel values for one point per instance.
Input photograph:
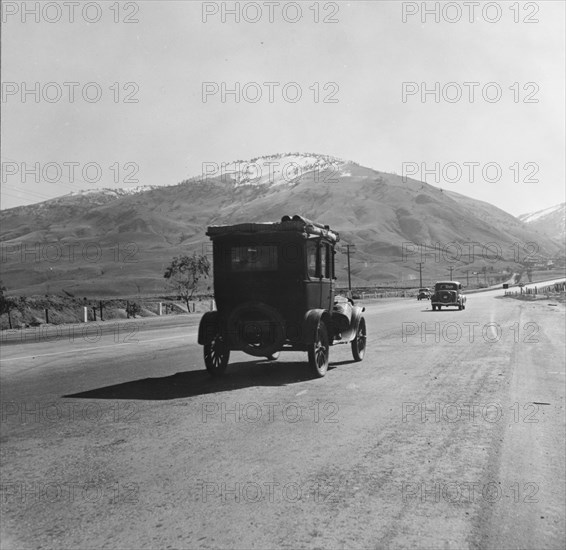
(326, 276)
(320, 273)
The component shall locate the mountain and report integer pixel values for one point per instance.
(550, 221)
(119, 242)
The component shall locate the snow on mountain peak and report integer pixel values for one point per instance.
(532, 216)
(273, 170)
(118, 192)
(551, 220)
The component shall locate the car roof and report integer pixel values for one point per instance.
(447, 282)
(296, 223)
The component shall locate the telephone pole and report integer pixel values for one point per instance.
(420, 264)
(467, 278)
(349, 274)
(451, 268)
(347, 248)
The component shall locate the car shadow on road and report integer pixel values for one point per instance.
(189, 384)
(440, 310)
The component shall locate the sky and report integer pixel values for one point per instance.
(131, 93)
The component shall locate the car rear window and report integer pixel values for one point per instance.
(254, 258)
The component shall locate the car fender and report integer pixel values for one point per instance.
(208, 327)
(355, 323)
(310, 323)
(356, 317)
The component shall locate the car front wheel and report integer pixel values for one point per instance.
(359, 342)
(318, 351)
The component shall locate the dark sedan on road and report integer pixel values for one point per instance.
(448, 293)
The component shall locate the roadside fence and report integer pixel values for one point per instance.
(554, 288)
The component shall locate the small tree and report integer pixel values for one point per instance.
(184, 273)
(7, 304)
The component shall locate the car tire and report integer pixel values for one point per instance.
(319, 350)
(359, 342)
(216, 355)
(273, 357)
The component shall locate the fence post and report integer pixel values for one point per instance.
(160, 308)
(46, 315)
(85, 314)
(100, 306)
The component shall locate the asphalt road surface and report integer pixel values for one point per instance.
(450, 434)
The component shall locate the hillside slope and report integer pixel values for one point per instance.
(111, 243)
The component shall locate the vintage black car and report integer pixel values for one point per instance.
(274, 287)
(448, 293)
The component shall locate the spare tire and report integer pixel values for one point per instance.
(257, 329)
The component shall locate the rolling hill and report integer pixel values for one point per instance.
(118, 242)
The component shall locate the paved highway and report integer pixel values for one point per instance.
(450, 434)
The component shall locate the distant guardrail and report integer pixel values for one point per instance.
(386, 294)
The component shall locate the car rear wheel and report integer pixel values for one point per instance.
(359, 342)
(273, 357)
(216, 355)
(318, 351)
